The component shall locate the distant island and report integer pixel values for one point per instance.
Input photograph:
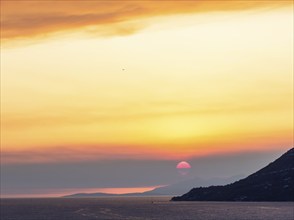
(169, 190)
(275, 182)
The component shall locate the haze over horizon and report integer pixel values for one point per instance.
(111, 95)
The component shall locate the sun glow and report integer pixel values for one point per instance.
(175, 91)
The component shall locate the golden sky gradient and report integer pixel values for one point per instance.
(144, 79)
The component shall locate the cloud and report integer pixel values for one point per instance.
(23, 19)
(159, 152)
(151, 110)
(68, 154)
(43, 23)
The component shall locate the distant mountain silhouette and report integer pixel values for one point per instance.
(274, 182)
(172, 189)
(183, 186)
(86, 195)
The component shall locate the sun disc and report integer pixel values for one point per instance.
(183, 165)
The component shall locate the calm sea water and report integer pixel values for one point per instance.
(141, 208)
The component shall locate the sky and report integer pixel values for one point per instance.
(111, 95)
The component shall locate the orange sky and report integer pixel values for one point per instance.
(144, 79)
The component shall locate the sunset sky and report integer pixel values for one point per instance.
(101, 83)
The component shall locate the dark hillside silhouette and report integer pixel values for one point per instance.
(275, 182)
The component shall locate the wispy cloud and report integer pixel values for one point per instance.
(39, 18)
(68, 154)
(163, 152)
(128, 112)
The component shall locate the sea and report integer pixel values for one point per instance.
(141, 208)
